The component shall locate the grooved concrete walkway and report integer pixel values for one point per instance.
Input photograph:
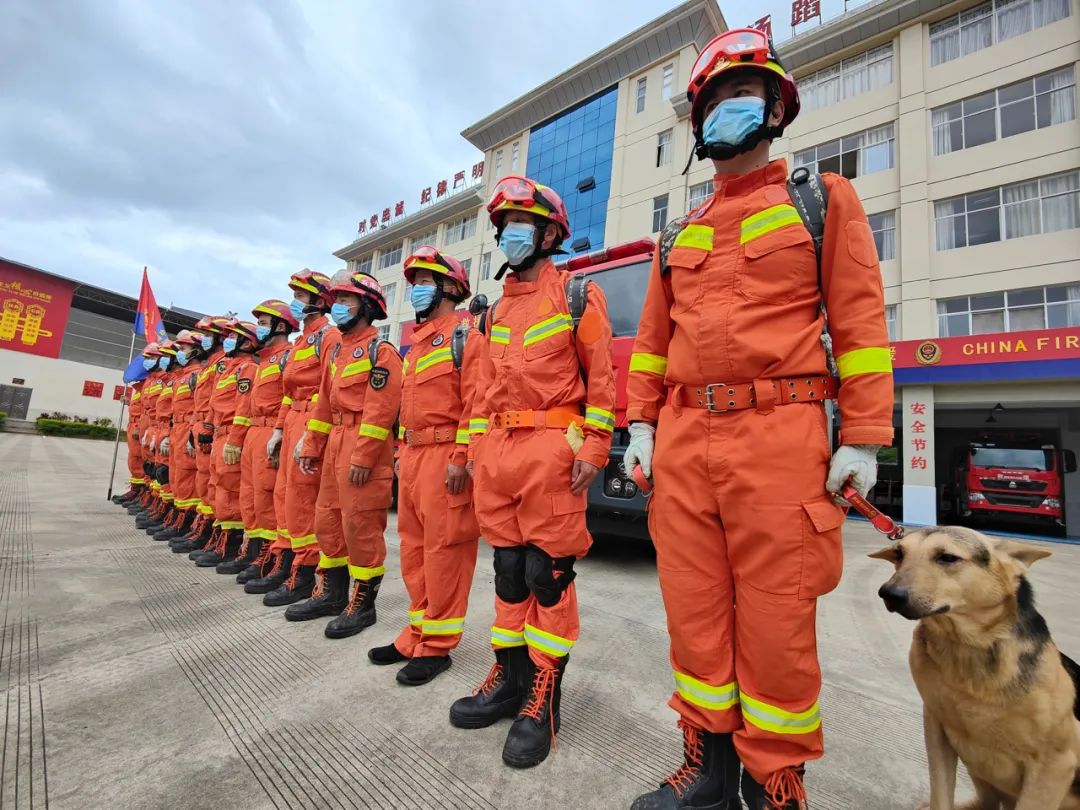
(133, 679)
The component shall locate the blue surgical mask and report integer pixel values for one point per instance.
(229, 345)
(422, 297)
(733, 121)
(207, 343)
(163, 363)
(182, 358)
(518, 242)
(262, 333)
(297, 308)
(340, 314)
(148, 363)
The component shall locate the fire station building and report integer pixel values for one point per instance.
(957, 124)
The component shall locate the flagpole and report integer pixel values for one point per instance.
(120, 421)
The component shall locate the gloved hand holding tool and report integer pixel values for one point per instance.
(637, 460)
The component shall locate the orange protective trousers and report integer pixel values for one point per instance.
(522, 497)
(350, 520)
(746, 540)
(295, 495)
(135, 457)
(439, 541)
(257, 479)
(182, 468)
(226, 484)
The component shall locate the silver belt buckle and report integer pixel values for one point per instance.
(408, 437)
(710, 401)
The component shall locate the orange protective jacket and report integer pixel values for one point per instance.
(224, 397)
(369, 392)
(135, 407)
(741, 302)
(151, 390)
(185, 380)
(536, 362)
(258, 392)
(206, 382)
(434, 394)
(303, 370)
(165, 405)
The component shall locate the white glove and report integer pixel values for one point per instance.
(145, 439)
(296, 450)
(640, 449)
(857, 462)
(153, 444)
(164, 446)
(274, 444)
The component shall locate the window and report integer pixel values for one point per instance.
(996, 21)
(390, 257)
(1034, 103)
(515, 153)
(884, 228)
(699, 194)
(498, 163)
(659, 213)
(1032, 207)
(624, 288)
(869, 70)
(641, 94)
(663, 148)
(466, 265)
(390, 294)
(669, 78)
(890, 321)
(1010, 311)
(427, 238)
(364, 265)
(384, 331)
(485, 267)
(853, 156)
(461, 229)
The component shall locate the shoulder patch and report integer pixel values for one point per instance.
(379, 377)
(220, 367)
(243, 385)
(439, 340)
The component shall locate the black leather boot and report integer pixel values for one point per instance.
(228, 544)
(386, 655)
(359, 612)
(249, 552)
(500, 695)
(423, 669)
(707, 780)
(280, 568)
(782, 791)
(196, 539)
(529, 739)
(329, 598)
(180, 526)
(297, 587)
(260, 566)
(165, 519)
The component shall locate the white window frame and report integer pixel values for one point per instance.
(993, 11)
(430, 237)
(697, 194)
(1068, 296)
(515, 155)
(642, 89)
(485, 267)
(384, 331)
(390, 257)
(883, 220)
(667, 81)
(498, 164)
(364, 265)
(390, 294)
(665, 147)
(892, 321)
(660, 212)
(814, 89)
(813, 157)
(460, 229)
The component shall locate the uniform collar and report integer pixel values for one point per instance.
(427, 328)
(314, 325)
(736, 185)
(267, 351)
(360, 335)
(514, 287)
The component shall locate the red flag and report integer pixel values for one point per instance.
(148, 321)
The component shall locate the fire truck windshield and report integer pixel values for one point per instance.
(624, 288)
(1012, 458)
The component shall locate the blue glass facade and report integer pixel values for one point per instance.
(566, 150)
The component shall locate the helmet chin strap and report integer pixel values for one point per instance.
(764, 132)
(422, 315)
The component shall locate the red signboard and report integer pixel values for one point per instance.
(118, 392)
(803, 10)
(34, 310)
(90, 388)
(1004, 347)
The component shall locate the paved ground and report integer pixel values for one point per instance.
(133, 679)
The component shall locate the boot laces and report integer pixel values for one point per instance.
(684, 778)
(264, 557)
(491, 683)
(290, 583)
(243, 547)
(543, 693)
(320, 584)
(786, 786)
(357, 598)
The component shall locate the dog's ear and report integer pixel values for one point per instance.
(891, 554)
(1023, 553)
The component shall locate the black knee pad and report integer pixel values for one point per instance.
(546, 576)
(510, 575)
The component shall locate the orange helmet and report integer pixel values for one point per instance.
(151, 350)
(364, 285)
(740, 49)
(516, 193)
(188, 337)
(276, 309)
(312, 282)
(167, 347)
(427, 257)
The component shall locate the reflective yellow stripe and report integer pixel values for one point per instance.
(229, 525)
(332, 562)
(184, 389)
(241, 420)
(648, 364)
(225, 382)
(204, 374)
(356, 367)
(462, 437)
(547, 328)
(479, 426)
(319, 427)
(142, 481)
(780, 721)
(304, 353)
(270, 371)
(500, 334)
(767, 221)
(153, 389)
(416, 617)
(301, 542)
(135, 396)
(401, 432)
(715, 698)
(168, 497)
(501, 637)
(204, 509)
(598, 417)
(443, 627)
(286, 400)
(374, 431)
(433, 359)
(695, 236)
(364, 574)
(314, 397)
(874, 360)
(547, 642)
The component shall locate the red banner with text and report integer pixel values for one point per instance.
(34, 310)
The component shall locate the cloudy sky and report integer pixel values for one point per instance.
(228, 144)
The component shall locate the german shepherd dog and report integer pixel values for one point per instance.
(996, 692)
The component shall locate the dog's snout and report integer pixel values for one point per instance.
(895, 596)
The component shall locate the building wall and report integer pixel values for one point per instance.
(58, 384)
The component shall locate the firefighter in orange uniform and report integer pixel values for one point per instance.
(148, 429)
(252, 426)
(349, 436)
(439, 533)
(729, 372)
(136, 474)
(137, 430)
(546, 400)
(292, 574)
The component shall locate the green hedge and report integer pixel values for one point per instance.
(58, 427)
(3, 416)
